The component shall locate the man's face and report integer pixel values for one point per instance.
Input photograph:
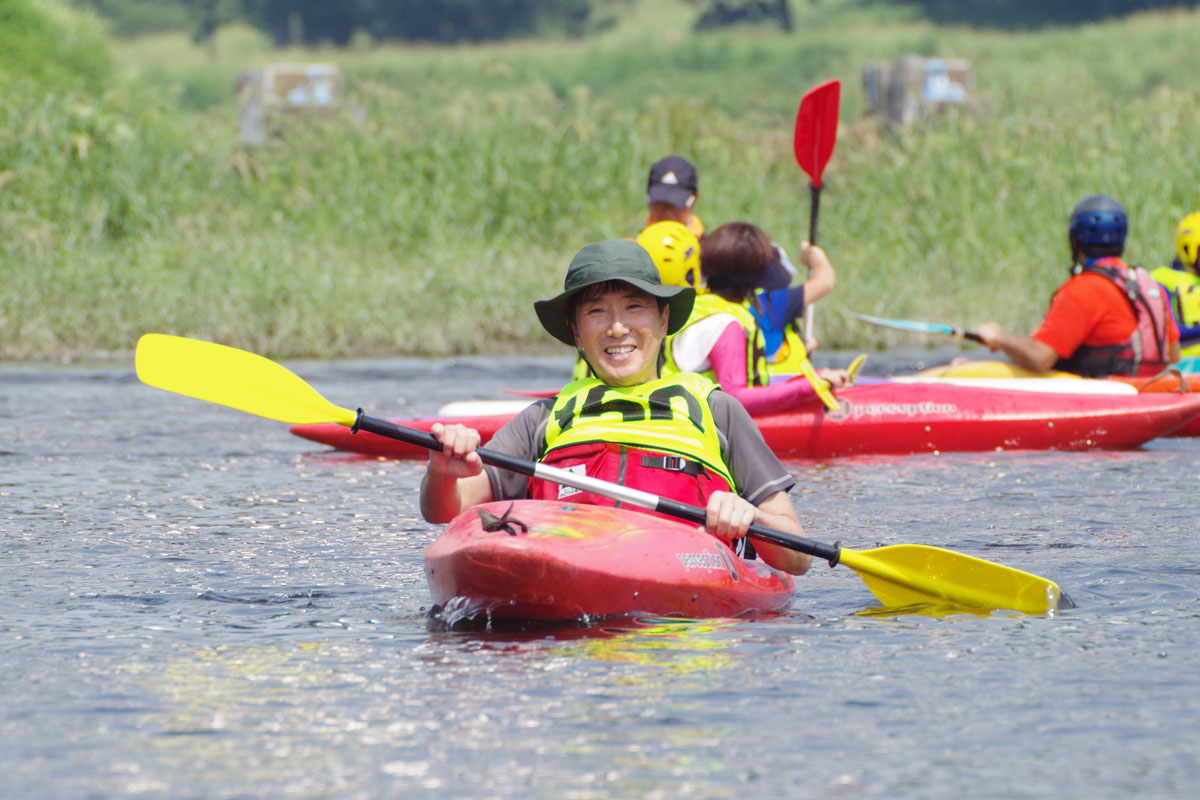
(620, 332)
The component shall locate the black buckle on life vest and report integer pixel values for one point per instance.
(672, 464)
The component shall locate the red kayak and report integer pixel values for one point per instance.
(542, 560)
(898, 419)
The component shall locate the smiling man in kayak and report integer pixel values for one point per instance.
(678, 436)
(1108, 318)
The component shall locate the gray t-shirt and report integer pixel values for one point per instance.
(757, 473)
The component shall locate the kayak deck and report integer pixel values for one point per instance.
(561, 561)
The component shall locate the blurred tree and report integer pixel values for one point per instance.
(50, 51)
(311, 21)
(336, 21)
(133, 17)
(718, 13)
(208, 15)
(427, 20)
(1036, 13)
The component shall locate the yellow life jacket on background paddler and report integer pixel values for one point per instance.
(757, 371)
(1183, 289)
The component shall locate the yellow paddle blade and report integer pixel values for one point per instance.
(819, 384)
(855, 365)
(907, 574)
(234, 378)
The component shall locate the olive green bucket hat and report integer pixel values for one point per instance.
(617, 260)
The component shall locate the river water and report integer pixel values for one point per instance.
(196, 604)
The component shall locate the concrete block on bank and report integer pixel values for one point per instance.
(913, 87)
(265, 95)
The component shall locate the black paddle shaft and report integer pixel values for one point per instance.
(422, 439)
(813, 211)
(830, 552)
(663, 505)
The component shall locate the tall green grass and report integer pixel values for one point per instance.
(429, 221)
(46, 45)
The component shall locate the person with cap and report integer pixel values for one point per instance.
(723, 338)
(1109, 318)
(671, 192)
(1182, 281)
(678, 436)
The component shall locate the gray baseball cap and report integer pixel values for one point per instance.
(672, 180)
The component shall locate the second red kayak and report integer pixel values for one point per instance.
(897, 419)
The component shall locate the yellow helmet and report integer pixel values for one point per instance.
(1187, 240)
(676, 252)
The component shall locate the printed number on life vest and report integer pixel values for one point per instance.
(657, 406)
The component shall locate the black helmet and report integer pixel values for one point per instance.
(1098, 226)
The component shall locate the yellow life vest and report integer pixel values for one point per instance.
(1184, 289)
(667, 415)
(757, 371)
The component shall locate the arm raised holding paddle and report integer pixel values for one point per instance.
(821, 277)
(820, 284)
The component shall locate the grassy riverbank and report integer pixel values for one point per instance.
(430, 222)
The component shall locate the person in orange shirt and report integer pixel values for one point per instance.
(1108, 318)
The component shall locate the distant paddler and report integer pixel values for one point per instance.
(671, 193)
(678, 435)
(1182, 281)
(724, 340)
(1109, 318)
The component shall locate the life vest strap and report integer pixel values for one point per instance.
(674, 464)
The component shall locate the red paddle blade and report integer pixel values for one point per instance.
(816, 128)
